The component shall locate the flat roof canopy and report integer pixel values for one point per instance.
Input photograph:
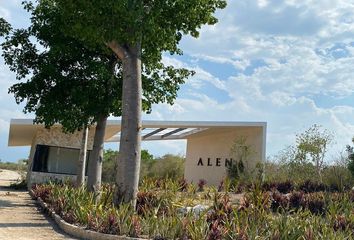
(22, 131)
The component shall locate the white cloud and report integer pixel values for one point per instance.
(281, 98)
(4, 12)
(262, 3)
(202, 75)
(239, 64)
(4, 126)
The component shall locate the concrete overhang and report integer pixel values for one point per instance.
(177, 130)
(22, 131)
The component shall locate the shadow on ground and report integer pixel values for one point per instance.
(7, 225)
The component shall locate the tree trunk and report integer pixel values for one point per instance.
(96, 157)
(128, 165)
(319, 169)
(319, 173)
(81, 166)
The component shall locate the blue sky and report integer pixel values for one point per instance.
(287, 62)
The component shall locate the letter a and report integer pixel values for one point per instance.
(200, 162)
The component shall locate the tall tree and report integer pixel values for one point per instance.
(64, 79)
(73, 82)
(136, 31)
(312, 145)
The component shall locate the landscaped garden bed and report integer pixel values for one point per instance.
(165, 211)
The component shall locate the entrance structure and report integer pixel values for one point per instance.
(211, 146)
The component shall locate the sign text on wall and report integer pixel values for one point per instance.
(218, 162)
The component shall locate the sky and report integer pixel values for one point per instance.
(286, 62)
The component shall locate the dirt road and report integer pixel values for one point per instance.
(19, 217)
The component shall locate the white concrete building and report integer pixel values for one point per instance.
(54, 154)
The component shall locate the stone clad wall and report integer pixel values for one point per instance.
(54, 137)
(209, 152)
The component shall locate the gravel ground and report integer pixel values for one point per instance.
(19, 217)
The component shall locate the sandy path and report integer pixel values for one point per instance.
(19, 217)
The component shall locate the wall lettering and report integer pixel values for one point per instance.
(228, 162)
(209, 163)
(218, 162)
(200, 162)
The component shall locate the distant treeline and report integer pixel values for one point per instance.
(167, 166)
(20, 165)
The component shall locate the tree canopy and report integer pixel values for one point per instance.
(68, 81)
(157, 25)
(312, 146)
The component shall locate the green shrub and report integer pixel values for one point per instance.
(109, 166)
(167, 166)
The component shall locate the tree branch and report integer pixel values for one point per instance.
(117, 49)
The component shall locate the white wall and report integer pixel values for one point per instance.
(216, 144)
